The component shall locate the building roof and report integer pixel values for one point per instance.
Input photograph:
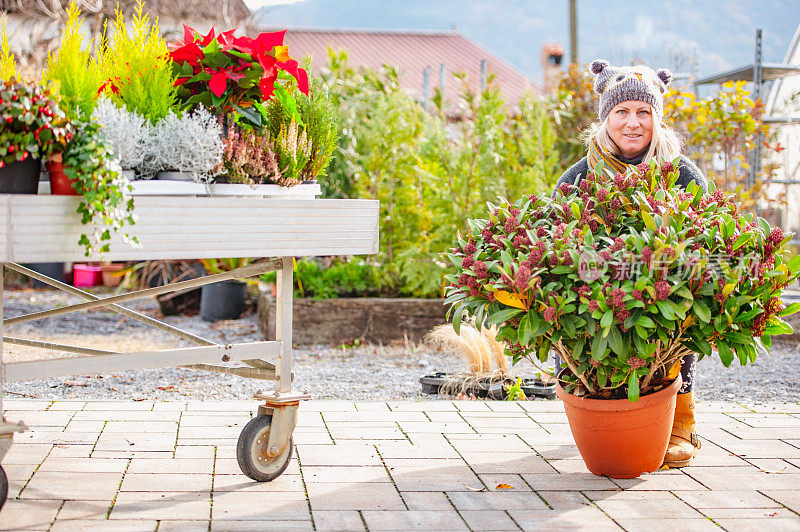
(412, 52)
(780, 90)
(234, 11)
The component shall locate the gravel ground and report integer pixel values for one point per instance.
(367, 372)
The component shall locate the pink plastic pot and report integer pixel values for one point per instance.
(85, 275)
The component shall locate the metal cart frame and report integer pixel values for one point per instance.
(46, 228)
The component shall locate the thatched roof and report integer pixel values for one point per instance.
(233, 11)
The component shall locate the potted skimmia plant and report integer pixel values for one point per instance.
(621, 278)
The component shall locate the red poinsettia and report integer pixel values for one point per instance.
(225, 72)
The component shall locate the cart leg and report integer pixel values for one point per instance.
(5, 439)
(283, 327)
(265, 444)
(2, 304)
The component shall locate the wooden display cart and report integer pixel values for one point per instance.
(41, 228)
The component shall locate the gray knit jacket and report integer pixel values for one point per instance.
(688, 172)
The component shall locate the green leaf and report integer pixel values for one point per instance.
(457, 318)
(645, 321)
(606, 320)
(703, 345)
(684, 292)
(741, 352)
(649, 222)
(602, 377)
(288, 103)
(633, 387)
(524, 331)
(666, 309)
(742, 240)
(702, 311)
(576, 211)
(752, 354)
(639, 343)
(479, 316)
(615, 341)
(633, 318)
(568, 323)
(506, 258)
(578, 349)
(249, 114)
(502, 315)
(544, 350)
(778, 328)
(747, 316)
(458, 296)
(794, 263)
(791, 309)
(599, 345)
(725, 353)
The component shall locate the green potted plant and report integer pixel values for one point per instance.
(287, 151)
(32, 126)
(303, 143)
(91, 171)
(621, 278)
(72, 72)
(8, 63)
(136, 67)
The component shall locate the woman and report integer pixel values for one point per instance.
(631, 131)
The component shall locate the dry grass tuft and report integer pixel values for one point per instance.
(478, 348)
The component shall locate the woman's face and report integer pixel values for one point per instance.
(630, 125)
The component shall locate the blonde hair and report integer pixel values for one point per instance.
(665, 144)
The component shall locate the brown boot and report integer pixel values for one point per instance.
(684, 443)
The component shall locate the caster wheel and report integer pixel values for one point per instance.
(3, 487)
(251, 451)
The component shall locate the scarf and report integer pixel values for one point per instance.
(617, 165)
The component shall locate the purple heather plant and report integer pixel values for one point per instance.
(622, 276)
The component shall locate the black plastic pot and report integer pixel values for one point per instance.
(431, 384)
(535, 387)
(222, 301)
(54, 270)
(20, 177)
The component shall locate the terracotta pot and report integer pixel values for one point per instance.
(109, 269)
(60, 184)
(619, 438)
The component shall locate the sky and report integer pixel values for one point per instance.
(716, 34)
(256, 4)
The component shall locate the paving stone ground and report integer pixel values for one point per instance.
(445, 465)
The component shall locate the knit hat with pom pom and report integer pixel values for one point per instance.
(621, 84)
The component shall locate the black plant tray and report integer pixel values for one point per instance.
(431, 384)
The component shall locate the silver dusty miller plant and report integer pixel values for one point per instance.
(189, 143)
(127, 133)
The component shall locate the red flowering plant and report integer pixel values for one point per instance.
(227, 73)
(622, 276)
(31, 122)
